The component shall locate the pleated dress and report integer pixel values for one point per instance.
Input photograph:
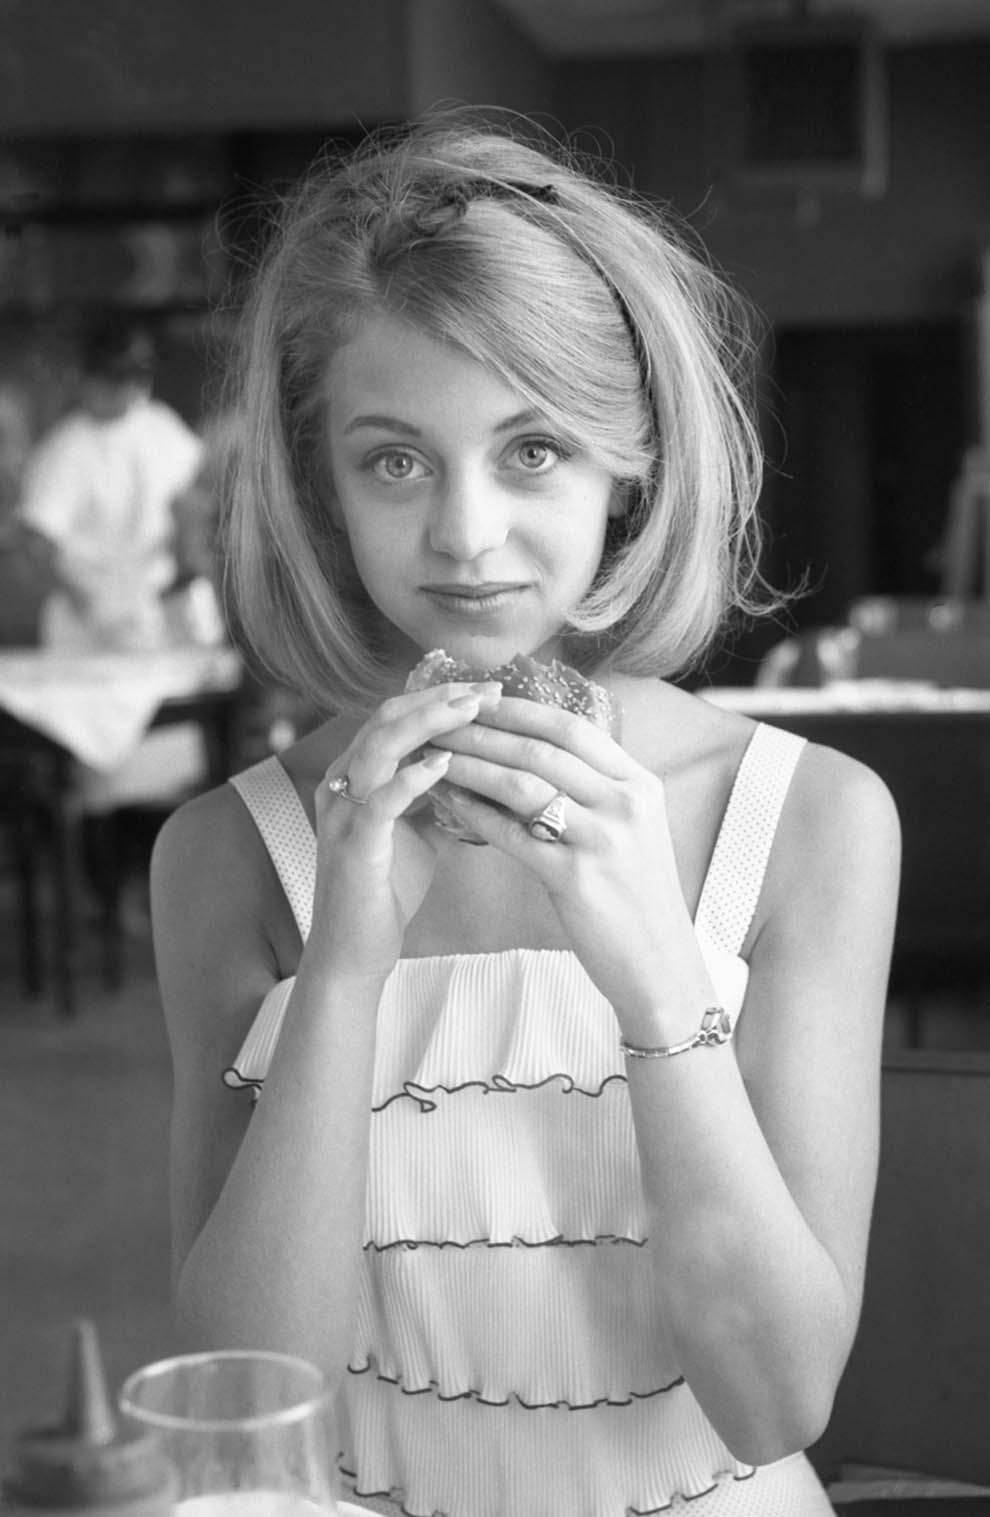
(509, 1359)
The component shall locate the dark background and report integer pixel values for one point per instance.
(136, 149)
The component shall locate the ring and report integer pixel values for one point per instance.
(549, 825)
(341, 786)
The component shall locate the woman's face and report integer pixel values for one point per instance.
(473, 526)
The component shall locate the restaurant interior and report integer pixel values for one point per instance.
(835, 159)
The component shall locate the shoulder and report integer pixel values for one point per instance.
(59, 468)
(65, 441)
(154, 421)
(160, 415)
(203, 835)
(221, 925)
(833, 796)
(830, 795)
(837, 836)
(204, 864)
(838, 839)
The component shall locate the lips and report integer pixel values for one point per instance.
(474, 601)
(472, 591)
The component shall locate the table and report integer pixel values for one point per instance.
(98, 706)
(58, 710)
(932, 748)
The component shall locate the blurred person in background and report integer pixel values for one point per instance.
(96, 499)
(99, 489)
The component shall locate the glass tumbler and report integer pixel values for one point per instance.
(247, 1433)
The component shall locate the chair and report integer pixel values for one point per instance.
(915, 1393)
(54, 844)
(116, 832)
(35, 820)
(26, 580)
(938, 769)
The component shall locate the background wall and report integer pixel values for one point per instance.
(469, 51)
(136, 144)
(180, 65)
(110, 65)
(871, 396)
(911, 253)
(133, 142)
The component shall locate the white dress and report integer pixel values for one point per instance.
(508, 1356)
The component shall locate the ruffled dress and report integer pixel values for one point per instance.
(509, 1359)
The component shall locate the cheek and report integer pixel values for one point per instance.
(596, 509)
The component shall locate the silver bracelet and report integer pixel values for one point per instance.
(716, 1027)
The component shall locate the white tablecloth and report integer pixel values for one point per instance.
(844, 696)
(99, 706)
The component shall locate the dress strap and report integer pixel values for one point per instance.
(271, 798)
(739, 860)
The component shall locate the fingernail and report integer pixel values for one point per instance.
(463, 702)
(438, 759)
(488, 692)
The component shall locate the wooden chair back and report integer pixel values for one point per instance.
(916, 1393)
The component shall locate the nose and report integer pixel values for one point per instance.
(468, 517)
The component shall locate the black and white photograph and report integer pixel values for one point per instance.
(495, 758)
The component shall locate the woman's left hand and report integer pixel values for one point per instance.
(612, 875)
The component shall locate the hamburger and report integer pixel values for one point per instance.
(524, 678)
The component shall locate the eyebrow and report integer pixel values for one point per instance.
(384, 423)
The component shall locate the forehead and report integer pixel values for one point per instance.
(393, 368)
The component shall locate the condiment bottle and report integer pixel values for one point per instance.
(87, 1463)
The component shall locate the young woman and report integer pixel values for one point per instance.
(563, 1163)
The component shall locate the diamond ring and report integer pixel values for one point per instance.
(341, 786)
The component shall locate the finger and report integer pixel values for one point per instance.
(517, 791)
(510, 833)
(410, 784)
(562, 729)
(392, 799)
(404, 725)
(522, 758)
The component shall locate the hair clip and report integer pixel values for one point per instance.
(546, 194)
(444, 204)
(459, 193)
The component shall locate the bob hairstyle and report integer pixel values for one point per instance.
(587, 302)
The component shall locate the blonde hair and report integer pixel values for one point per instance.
(588, 302)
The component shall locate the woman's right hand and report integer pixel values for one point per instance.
(373, 867)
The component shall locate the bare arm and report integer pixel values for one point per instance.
(268, 1211)
(760, 1159)
(267, 1208)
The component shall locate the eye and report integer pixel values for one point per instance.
(396, 466)
(536, 455)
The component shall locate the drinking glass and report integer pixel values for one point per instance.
(247, 1433)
